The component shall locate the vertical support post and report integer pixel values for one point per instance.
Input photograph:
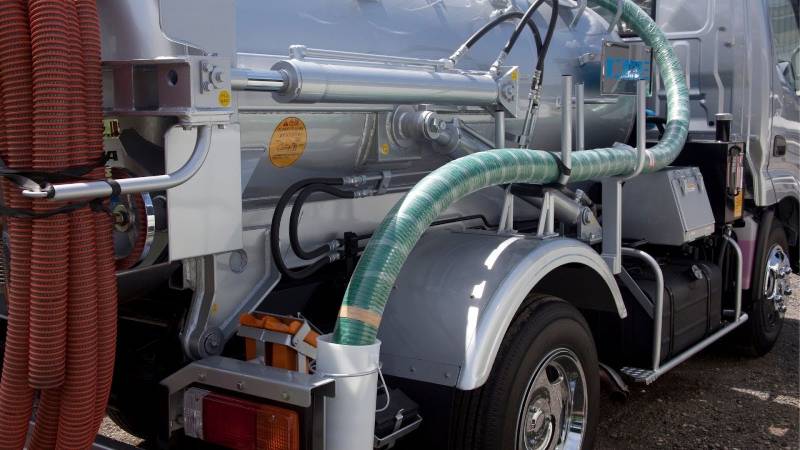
(566, 125)
(580, 116)
(641, 128)
(499, 129)
(612, 223)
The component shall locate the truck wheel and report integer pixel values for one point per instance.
(769, 287)
(543, 391)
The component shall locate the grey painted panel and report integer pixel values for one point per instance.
(456, 296)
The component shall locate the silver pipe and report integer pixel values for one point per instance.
(641, 128)
(98, 189)
(257, 80)
(658, 313)
(693, 350)
(580, 113)
(738, 252)
(311, 82)
(566, 209)
(500, 129)
(566, 125)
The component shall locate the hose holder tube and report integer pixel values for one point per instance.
(106, 188)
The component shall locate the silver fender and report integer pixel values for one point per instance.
(458, 293)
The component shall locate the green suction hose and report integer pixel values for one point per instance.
(372, 282)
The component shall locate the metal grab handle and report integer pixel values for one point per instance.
(658, 313)
(98, 189)
(738, 252)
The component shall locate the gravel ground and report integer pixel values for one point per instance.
(715, 400)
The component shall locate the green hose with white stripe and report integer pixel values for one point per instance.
(375, 275)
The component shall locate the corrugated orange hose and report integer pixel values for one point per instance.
(62, 288)
(16, 102)
(106, 275)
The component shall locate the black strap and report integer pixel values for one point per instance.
(33, 179)
(96, 205)
(561, 166)
(115, 187)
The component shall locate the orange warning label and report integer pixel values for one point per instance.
(288, 142)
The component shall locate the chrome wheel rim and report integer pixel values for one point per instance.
(776, 283)
(553, 411)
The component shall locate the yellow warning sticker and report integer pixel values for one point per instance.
(288, 142)
(224, 98)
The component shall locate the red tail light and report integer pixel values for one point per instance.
(239, 424)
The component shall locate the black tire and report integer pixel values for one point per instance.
(488, 417)
(761, 331)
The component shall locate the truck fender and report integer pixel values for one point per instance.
(458, 293)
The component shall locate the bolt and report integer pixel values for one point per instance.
(208, 86)
(285, 395)
(240, 385)
(412, 369)
(207, 67)
(447, 375)
(202, 377)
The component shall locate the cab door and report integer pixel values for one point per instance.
(784, 164)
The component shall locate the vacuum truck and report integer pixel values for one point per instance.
(387, 224)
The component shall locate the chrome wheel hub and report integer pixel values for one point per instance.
(554, 407)
(776, 279)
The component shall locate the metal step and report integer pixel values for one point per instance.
(648, 376)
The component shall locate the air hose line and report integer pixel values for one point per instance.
(379, 266)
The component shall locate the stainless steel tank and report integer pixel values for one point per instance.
(349, 139)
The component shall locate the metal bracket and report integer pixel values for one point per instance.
(581, 8)
(612, 223)
(616, 18)
(546, 226)
(507, 215)
(398, 432)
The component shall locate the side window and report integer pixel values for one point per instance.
(783, 18)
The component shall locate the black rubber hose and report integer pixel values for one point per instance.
(521, 25)
(294, 218)
(275, 228)
(497, 21)
(551, 27)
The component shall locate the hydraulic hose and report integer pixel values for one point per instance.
(294, 219)
(377, 270)
(275, 228)
(492, 25)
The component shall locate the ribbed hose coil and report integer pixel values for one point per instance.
(16, 104)
(377, 270)
(52, 101)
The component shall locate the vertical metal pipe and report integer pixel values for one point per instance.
(658, 312)
(566, 125)
(641, 128)
(738, 252)
(580, 116)
(500, 129)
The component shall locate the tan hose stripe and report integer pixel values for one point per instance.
(370, 318)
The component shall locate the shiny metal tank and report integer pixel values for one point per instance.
(342, 138)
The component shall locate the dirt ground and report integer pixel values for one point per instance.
(715, 400)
